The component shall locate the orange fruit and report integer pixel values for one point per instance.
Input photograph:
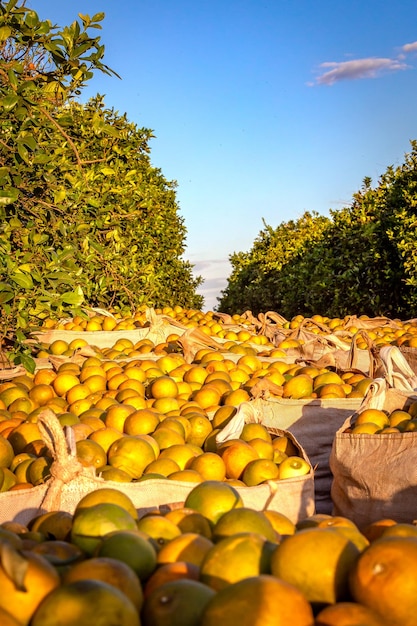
(23, 434)
(91, 601)
(131, 454)
(280, 522)
(346, 614)
(91, 454)
(374, 416)
(92, 523)
(223, 415)
(44, 376)
(161, 466)
(132, 547)
(40, 579)
(234, 558)
(111, 571)
(236, 397)
(41, 393)
(318, 562)
(141, 422)
(382, 579)
(209, 465)
(116, 415)
(160, 528)
(63, 382)
(212, 499)
(184, 597)
(243, 520)
(236, 456)
(186, 475)
(162, 387)
(6, 452)
(299, 386)
(201, 427)
(207, 396)
(259, 471)
(375, 529)
(170, 571)
(190, 547)
(182, 454)
(264, 449)
(254, 601)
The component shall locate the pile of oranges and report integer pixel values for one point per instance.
(211, 562)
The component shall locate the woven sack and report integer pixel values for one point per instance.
(313, 422)
(70, 481)
(375, 476)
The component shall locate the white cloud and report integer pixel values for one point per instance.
(358, 69)
(410, 47)
(370, 67)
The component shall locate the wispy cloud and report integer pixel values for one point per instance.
(370, 67)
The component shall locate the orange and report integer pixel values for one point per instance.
(91, 454)
(57, 347)
(91, 602)
(189, 521)
(209, 465)
(196, 373)
(105, 437)
(166, 405)
(53, 524)
(162, 387)
(111, 571)
(235, 557)
(92, 523)
(318, 562)
(255, 430)
(254, 601)
(41, 393)
(264, 449)
(186, 475)
(280, 522)
(64, 382)
(182, 454)
(161, 466)
(332, 390)
(299, 386)
(236, 397)
(212, 499)
(23, 434)
(9, 394)
(106, 495)
(131, 454)
(346, 614)
(166, 437)
(6, 452)
(132, 547)
(40, 579)
(236, 456)
(207, 396)
(383, 579)
(259, 471)
(160, 528)
(141, 422)
(244, 520)
(190, 547)
(325, 378)
(116, 416)
(201, 427)
(375, 529)
(223, 415)
(374, 416)
(170, 571)
(44, 376)
(184, 598)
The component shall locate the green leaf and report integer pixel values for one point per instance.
(74, 298)
(8, 195)
(23, 280)
(5, 32)
(9, 102)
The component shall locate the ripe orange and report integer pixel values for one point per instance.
(170, 571)
(254, 601)
(383, 579)
(346, 614)
(184, 597)
(63, 382)
(107, 495)
(213, 498)
(259, 471)
(133, 547)
(201, 427)
(159, 528)
(93, 522)
(111, 571)
(162, 387)
(236, 456)
(299, 386)
(182, 454)
(131, 454)
(244, 520)
(374, 416)
(190, 547)
(116, 415)
(40, 579)
(91, 601)
(209, 465)
(318, 562)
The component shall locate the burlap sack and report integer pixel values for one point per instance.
(375, 476)
(313, 422)
(70, 481)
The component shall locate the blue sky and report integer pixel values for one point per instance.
(262, 109)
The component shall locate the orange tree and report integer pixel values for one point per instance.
(86, 219)
(361, 259)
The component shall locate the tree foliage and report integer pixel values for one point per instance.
(85, 217)
(361, 259)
